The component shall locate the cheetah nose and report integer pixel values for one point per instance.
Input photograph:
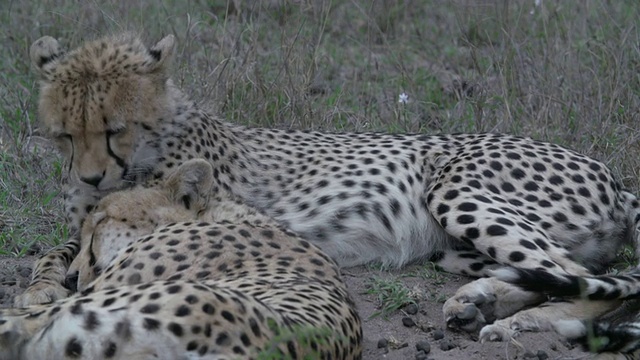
(71, 282)
(94, 180)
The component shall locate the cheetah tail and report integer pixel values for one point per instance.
(602, 336)
(603, 287)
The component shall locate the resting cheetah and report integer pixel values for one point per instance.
(226, 285)
(470, 202)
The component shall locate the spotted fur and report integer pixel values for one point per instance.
(167, 273)
(469, 202)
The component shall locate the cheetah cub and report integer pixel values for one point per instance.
(178, 271)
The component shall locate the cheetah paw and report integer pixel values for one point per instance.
(40, 293)
(469, 313)
(497, 332)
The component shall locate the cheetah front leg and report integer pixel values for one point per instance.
(49, 273)
(48, 276)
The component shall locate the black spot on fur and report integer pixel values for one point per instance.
(110, 350)
(155, 54)
(176, 329)
(73, 349)
(150, 309)
(496, 230)
(182, 310)
(451, 194)
(151, 324)
(223, 339)
(228, 316)
(517, 256)
(468, 207)
(91, 321)
(208, 309)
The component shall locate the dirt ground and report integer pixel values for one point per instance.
(401, 339)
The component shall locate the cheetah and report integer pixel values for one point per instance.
(471, 203)
(178, 271)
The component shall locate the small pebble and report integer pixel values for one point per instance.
(423, 345)
(34, 249)
(529, 355)
(421, 355)
(383, 343)
(447, 345)
(408, 322)
(411, 309)
(24, 271)
(438, 334)
(542, 355)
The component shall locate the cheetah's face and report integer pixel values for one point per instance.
(97, 101)
(125, 216)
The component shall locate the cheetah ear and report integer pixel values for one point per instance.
(191, 184)
(44, 51)
(162, 53)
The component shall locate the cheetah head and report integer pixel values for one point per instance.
(123, 217)
(98, 101)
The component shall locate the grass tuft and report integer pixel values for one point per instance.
(391, 293)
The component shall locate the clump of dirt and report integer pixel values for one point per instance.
(15, 274)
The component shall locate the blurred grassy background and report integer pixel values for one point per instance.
(563, 71)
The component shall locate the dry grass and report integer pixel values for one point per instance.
(560, 71)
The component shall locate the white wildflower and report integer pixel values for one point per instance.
(536, 4)
(403, 98)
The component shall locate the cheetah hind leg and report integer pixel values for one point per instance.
(495, 227)
(482, 301)
(546, 317)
